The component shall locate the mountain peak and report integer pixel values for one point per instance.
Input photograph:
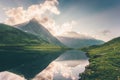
(33, 20)
(35, 28)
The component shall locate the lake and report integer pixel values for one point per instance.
(68, 66)
(61, 65)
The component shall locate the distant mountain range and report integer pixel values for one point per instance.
(35, 28)
(33, 32)
(75, 40)
(71, 39)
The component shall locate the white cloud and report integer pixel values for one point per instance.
(42, 13)
(56, 29)
(66, 27)
(20, 15)
(16, 16)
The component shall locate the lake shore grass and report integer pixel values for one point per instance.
(104, 62)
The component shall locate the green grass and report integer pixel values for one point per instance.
(24, 53)
(11, 35)
(104, 61)
(43, 47)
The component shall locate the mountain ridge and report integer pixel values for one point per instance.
(35, 28)
(75, 40)
(11, 35)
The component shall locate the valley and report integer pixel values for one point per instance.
(30, 51)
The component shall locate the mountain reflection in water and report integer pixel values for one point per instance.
(65, 67)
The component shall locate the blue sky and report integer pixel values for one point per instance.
(97, 18)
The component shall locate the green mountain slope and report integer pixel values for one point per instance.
(104, 61)
(11, 35)
(40, 31)
(24, 53)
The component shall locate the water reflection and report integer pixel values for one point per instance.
(26, 63)
(66, 67)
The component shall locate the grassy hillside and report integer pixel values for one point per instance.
(104, 61)
(35, 28)
(24, 53)
(11, 35)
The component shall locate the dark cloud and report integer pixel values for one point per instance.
(106, 32)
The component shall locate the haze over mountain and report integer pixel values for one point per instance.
(30, 46)
(76, 40)
(35, 28)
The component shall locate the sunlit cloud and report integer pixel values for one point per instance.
(16, 16)
(42, 13)
(65, 27)
(20, 15)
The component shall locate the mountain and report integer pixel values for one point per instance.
(35, 28)
(104, 61)
(11, 35)
(76, 40)
(24, 53)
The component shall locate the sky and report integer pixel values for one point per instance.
(96, 18)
